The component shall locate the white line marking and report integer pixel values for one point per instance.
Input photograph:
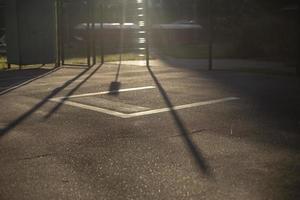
(203, 103)
(102, 93)
(111, 105)
(144, 113)
(93, 108)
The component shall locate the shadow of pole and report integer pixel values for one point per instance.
(198, 156)
(58, 105)
(115, 85)
(24, 116)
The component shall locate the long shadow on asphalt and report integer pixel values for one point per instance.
(115, 85)
(196, 152)
(275, 99)
(54, 92)
(12, 80)
(66, 97)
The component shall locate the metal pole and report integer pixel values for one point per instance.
(62, 41)
(88, 39)
(211, 32)
(122, 22)
(147, 32)
(18, 36)
(93, 32)
(58, 32)
(101, 33)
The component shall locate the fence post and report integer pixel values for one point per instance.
(58, 32)
(211, 37)
(101, 33)
(92, 10)
(147, 29)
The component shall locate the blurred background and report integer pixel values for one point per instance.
(243, 32)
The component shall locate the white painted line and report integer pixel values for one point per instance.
(105, 92)
(111, 105)
(144, 113)
(94, 108)
(203, 103)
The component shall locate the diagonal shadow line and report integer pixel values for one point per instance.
(196, 152)
(66, 97)
(115, 85)
(119, 69)
(24, 116)
(29, 81)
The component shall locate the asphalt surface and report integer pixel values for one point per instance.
(246, 148)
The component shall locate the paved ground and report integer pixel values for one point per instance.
(137, 133)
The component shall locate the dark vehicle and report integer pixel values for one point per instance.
(178, 32)
(111, 34)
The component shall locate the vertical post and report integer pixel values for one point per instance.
(122, 22)
(62, 30)
(101, 33)
(211, 32)
(88, 34)
(18, 36)
(147, 24)
(92, 10)
(58, 33)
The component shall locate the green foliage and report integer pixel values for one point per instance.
(2, 62)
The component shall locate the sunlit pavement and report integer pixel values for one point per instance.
(74, 133)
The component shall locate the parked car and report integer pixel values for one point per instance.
(180, 24)
(176, 33)
(111, 34)
(126, 26)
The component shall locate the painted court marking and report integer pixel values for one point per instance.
(201, 103)
(136, 114)
(105, 92)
